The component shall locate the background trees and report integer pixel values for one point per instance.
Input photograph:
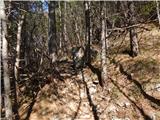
(52, 43)
(36, 33)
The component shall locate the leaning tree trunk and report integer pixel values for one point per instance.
(158, 12)
(87, 34)
(133, 33)
(104, 45)
(52, 42)
(7, 99)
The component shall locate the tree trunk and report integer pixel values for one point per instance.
(158, 12)
(7, 99)
(132, 30)
(87, 34)
(18, 48)
(124, 5)
(64, 23)
(77, 34)
(104, 45)
(25, 38)
(60, 24)
(52, 42)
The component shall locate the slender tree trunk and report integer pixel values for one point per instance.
(18, 48)
(87, 35)
(77, 34)
(60, 20)
(133, 33)
(52, 42)
(1, 59)
(28, 39)
(17, 62)
(1, 67)
(64, 23)
(26, 49)
(104, 45)
(124, 5)
(158, 12)
(91, 27)
(25, 38)
(7, 99)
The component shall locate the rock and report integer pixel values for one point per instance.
(112, 108)
(79, 76)
(124, 103)
(92, 89)
(127, 104)
(158, 87)
(95, 82)
(82, 93)
(121, 104)
(55, 117)
(72, 105)
(153, 115)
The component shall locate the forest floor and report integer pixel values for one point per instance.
(132, 91)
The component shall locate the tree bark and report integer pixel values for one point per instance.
(77, 34)
(158, 12)
(7, 99)
(60, 21)
(64, 27)
(18, 48)
(52, 42)
(132, 31)
(104, 45)
(64, 23)
(87, 34)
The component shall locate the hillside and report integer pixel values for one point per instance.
(132, 91)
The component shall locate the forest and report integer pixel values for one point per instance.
(79, 60)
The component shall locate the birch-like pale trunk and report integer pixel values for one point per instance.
(18, 48)
(158, 12)
(104, 46)
(4, 42)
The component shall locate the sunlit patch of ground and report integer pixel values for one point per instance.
(79, 98)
